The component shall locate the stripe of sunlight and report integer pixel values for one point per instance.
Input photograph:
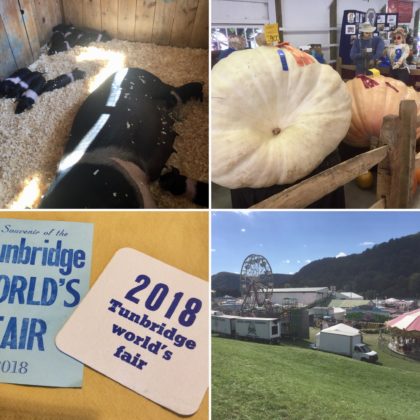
(114, 61)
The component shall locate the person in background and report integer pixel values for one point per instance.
(236, 43)
(366, 49)
(398, 53)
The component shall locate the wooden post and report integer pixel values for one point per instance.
(387, 137)
(338, 67)
(402, 157)
(395, 173)
(333, 33)
(279, 18)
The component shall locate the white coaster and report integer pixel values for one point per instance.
(145, 325)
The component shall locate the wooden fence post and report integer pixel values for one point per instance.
(388, 137)
(402, 156)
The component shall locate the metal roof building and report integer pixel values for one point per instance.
(301, 295)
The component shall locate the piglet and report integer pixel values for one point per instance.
(10, 86)
(24, 84)
(177, 184)
(93, 36)
(57, 43)
(30, 96)
(184, 93)
(63, 28)
(63, 80)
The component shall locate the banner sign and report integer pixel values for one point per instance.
(403, 8)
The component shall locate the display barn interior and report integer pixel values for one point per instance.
(312, 126)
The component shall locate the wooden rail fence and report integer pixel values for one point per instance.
(394, 153)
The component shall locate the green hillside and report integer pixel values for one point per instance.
(388, 269)
(229, 283)
(260, 381)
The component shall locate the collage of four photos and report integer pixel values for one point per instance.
(210, 209)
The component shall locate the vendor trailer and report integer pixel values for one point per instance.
(223, 325)
(345, 340)
(258, 329)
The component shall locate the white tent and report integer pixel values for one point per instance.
(348, 295)
(339, 314)
(339, 329)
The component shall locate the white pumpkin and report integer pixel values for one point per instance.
(272, 126)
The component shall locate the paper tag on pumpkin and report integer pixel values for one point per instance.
(368, 83)
(271, 33)
(301, 58)
(145, 325)
(283, 60)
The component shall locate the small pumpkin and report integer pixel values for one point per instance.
(373, 99)
(365, 181)
(276, 114)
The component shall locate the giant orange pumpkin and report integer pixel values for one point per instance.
(373, 99)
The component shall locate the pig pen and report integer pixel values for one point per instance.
(31, 143)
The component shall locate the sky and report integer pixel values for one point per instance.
(291, 239)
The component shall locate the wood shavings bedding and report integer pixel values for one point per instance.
(31, 143)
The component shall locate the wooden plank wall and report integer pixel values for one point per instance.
(7, 60)
(48, 13)
(25, 25)
(181, 23)
(19, 50)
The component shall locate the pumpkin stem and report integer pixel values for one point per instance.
(276, 131)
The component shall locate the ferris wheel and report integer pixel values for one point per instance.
(256, 283)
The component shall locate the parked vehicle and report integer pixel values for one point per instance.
(258, 329)
(223, 325)
(250, 328)
(345, 340)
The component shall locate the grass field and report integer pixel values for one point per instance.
(289, 381)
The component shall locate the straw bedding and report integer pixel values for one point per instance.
(31, 143)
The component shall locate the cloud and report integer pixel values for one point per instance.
(243, 230)
(291, 272)
(308, 261)
(298, 261)
(341, 254)
(367, 243)
(286, 261)
(247, 213)
(261, 245)
(213, 250)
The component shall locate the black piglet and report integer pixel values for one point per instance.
(193, 90)
(10, 86)
(184, 93)
(63, 28)
(26, 83)
(30, 96)
(64, 80)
